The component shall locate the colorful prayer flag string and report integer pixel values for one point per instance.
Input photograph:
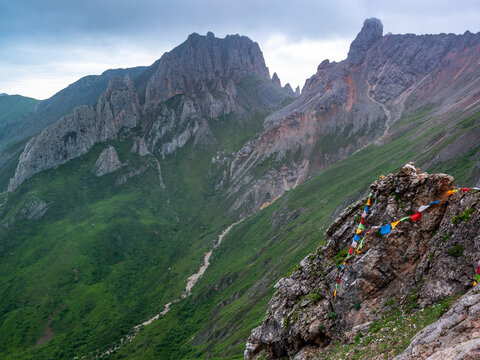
(357, 242)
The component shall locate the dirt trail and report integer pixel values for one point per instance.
(192, 280)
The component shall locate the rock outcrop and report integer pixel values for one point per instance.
(76, 133)
(297, 91)
(276, 80)
(432, 258)
(107, 162)
(456, 335)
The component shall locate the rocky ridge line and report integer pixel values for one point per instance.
(348, 105)
(75, 134)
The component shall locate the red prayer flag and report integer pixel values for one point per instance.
(478, 271)
(350, 251)
(416, 216)
(465, 189)
(362, 221)
(339, 280)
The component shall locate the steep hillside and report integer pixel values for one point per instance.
(232, 297)
(428, 256)
(14, 106)
(347, 105)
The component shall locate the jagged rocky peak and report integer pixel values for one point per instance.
(75, 134)
(297, 91)
(276, 80)
(371, 32)
(204, 63)
(433, 256)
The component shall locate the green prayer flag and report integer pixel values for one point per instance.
(405, 218)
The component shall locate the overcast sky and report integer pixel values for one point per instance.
(47, 44)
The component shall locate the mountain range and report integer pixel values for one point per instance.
(121, 186)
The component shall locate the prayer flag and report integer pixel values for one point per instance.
(339, 280)
(416, 216)
(364, 214)
(361, 227)
(423, 207)
(356, 238)
(451, 192)
(395, 224)
(434, 202)
(335, 293)
(465, 189)
(362, 221)
(341, 266)
(367, 209)
(354, 244)
(385, 229)
(350, 251)
(368, 201)
(358, 231)
(405, 218)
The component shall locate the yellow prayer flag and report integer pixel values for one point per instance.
(451, 192)
(368, 202)
(335, 293)
(358, 231)
(474, 283)
(395, 224)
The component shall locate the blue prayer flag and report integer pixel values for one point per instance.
(386, 229)
(367, 209)
(356, 238)
(434, 202)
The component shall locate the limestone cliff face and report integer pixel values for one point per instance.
(76, 133)
(347, 105)
(416, 257)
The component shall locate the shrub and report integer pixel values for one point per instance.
(456, 251)
(332, 315)
(340, 256)
(357, 306)
(446, 237)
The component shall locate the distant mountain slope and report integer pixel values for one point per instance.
(347, 105)
(14, 106)
(82, 92)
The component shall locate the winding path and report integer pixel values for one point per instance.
(191, 281)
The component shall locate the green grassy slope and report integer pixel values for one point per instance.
(105, 255)
(14, 106)
(232, 297)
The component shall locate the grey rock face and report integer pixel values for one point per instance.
(209, 66)
(371, 32)
(288, 89)
(414, 256)
(297, 91)
(455, 336)
(75, 134)
(276, 80)
(353, 103)
(107, 162)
